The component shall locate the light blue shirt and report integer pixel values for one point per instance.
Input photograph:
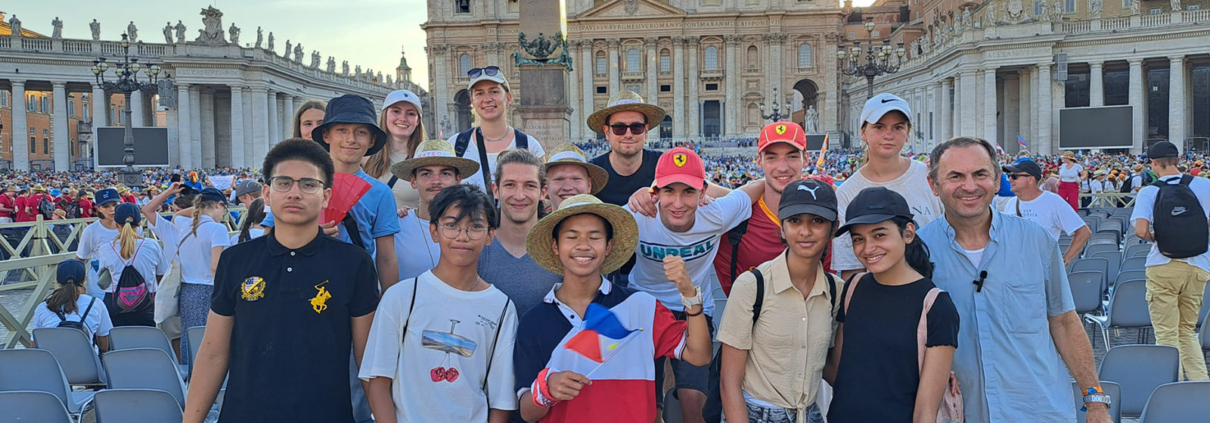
(375, 214)
(1008, 367)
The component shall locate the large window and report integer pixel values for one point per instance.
(33, 145)
(602, 63)
(1157, 102)
(1117, 88)
(1069, 6)
(1038, 5)
(32, 105)
(665, 61)
(804, 55)
(4, 99)
(464, 64)
(1076, 90)
(462, 6)
(46, 146)
(71, 108)
(711, 58)
(1201, 101)
(633, 59)
(45, 104)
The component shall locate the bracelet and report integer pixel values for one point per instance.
(540, 391)
(700, 310)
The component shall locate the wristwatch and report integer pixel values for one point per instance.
(1095, 394)
(696, 299)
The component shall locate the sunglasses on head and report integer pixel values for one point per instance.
(635, 128)
(489, 71)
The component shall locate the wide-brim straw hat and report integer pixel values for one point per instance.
(568, 153)
(38, 187)
(626, 101)
(625, 233)
(434, 153)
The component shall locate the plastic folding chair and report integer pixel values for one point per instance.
(74, 352)
(1111, 229)
(1127, 308)
(144, 368)
(1093, 221)
(1086, 289)
(1139, 370)
(1204, 335)
(1090, 264)
(1178, 402)
(135, 405)
(129, 337)
(1115, 261)
(1201, 315)
(33, 406)
(36, 370)
(1134, 263)
(1093, 250)
(1136, 250)
(1115, 395)
(195, 335)
(1106, 239)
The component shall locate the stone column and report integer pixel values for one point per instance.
(136, 109)
(956, 114)
(1137, 101)
(678, 88)
(573, 94)
(249, 151)
(543, 108)
(1096, 85)
(1176, 101)
(589, 88)
(694, 120)
(237, 128)
(288, 113)
(62, 142)
(774, 45)
(990, 128)
(274, 134)
(440, 84)
(945, 124)
(970, 92)
(732, 81)
(260, 132)
(195, 125)
(1045, 143)
(1012, 113)
(1026, 107)
(184, 132)
(614, 73)
(20, 131)
(207, 123)
(936, 107)
(653, 66)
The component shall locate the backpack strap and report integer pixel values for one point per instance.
(487, 374)
(922, 328)
(392, 181)
(415, 291)
(521, 139)
(735, 235)
(350, 223)
(462, 141)
(86, 311)
(760, 294)
(848, 290)
(831, 291)
(484, 169)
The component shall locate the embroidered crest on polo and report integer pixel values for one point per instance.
(319, 303)
(781, 129)
(679, 160)
(252, 289)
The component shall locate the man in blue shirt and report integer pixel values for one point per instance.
(1022, 336)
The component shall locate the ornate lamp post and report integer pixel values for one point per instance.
(879, 60)
(127, 82)
(776, 114)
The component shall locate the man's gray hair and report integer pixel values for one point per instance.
(935, 157)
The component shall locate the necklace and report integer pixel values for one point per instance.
(475, 284)
(507, 130)
(427, 248)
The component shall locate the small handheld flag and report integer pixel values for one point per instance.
(1021, 141)
(602, 333)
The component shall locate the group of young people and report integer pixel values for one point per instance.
(481, 278)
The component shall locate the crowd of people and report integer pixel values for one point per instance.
(484, 279)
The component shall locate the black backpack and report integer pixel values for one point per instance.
(1181, 230)
(1127, 185)
(132, 294)
(64, 323)
(759, 303)
(70, 208)
(46, 207)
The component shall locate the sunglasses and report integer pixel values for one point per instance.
(635, 128)
(489, 71)
(1015, 176)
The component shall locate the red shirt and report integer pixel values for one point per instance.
(129, 198)
(24, 209)
(8, 203)
(1197, 171)
(85, 208)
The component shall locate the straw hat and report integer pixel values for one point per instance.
(625, 233)
(568, 153)
(434, 153)
(38, 187)
(626, 101)
(1098, 173)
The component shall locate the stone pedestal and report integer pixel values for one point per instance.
(543, 105)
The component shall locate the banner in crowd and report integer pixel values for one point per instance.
(222, 182)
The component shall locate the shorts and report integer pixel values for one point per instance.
(687, 375)
(172, 327)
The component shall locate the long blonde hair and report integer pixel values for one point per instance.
(378, 164)
(128, 238)
(308, 105)
(199, 205)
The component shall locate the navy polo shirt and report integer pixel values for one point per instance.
(292, 337)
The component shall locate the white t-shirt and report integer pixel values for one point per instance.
(148, 260)
(1096, 187)
(1144, 207)
(697, 247)
(253, 233)
(1070, 174)
(196, 250)
(472, 152)
(449, 329)
(415, 250)
(1049, 210)
(913, 185)
(94, 236)
(975, 256)
(97, 322)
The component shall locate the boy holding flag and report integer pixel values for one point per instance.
(589, 327)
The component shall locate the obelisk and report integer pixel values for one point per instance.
(543, 108)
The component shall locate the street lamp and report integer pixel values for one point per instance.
(879, 59)
(127, 82)
(777, 114)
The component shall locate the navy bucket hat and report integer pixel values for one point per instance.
(350, 108)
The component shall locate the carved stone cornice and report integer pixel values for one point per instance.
(613, 43)
(731, 38)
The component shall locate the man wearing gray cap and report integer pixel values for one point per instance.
(247, 191)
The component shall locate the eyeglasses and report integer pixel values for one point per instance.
(475, 232)
(635, 128)
(306, 185)
(1015, 176)
(489, 71)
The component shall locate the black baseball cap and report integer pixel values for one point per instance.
(70, 271)
(1163, 149)
(1025, 166)
(874, 205)
(807, 196)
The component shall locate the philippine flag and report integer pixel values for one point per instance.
(602, 334)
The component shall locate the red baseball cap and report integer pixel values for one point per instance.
(680, 165)
(787, 132)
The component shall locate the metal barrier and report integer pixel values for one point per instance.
(1110, 199)
(30, 253)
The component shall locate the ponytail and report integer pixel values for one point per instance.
(916, 253)
(64, 297)
(128, 237)
(199, 205)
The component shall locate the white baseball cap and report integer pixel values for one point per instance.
(402, 95)
(489, 73)
(880, 104)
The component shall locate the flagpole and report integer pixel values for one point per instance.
(615, 351)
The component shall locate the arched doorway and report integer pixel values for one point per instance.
(462, 118)
(666, 128)
(806, 95)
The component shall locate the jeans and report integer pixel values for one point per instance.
(763, 414)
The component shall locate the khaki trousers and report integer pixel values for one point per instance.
(1174, 297)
